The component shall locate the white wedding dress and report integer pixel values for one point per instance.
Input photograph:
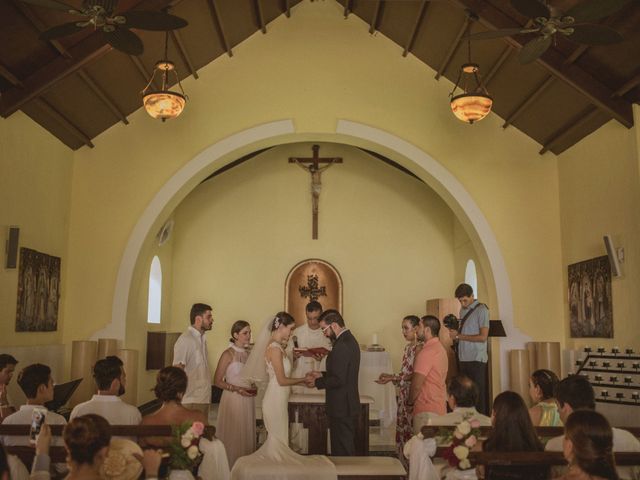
(274, 459)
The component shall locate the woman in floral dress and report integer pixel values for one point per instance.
(404, 430)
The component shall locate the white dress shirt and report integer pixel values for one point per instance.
(23, 417)
(110, 407)
(191, 351)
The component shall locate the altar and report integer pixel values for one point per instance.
(310, 412)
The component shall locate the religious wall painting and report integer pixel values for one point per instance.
(590, 302)
(312, 279)
(38, 292)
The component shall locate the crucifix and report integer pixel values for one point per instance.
(313, 166)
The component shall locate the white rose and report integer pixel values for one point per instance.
(464, 428)
(464, 464)
(461, 452)
(458, 434)
(192, 452)
(185, 442)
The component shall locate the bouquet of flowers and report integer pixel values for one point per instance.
(183, 449)
(463, 439)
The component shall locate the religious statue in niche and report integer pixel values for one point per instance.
(38, 292)
(310, 280)
(590, 302)
(313, 166)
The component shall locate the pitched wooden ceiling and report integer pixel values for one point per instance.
(77, 87)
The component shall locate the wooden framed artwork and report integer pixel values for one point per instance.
(590, 302)
(38, 292)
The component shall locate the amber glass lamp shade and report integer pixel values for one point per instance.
(474, 102)
(164, 104)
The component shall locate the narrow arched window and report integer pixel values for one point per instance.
(471, 276)
(155, 292)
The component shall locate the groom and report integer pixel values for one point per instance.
(341, 382)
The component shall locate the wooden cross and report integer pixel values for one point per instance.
(312, 165)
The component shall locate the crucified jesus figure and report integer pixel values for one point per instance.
(315, 166)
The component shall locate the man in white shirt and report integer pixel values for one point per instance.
(110, 379)
(462, 398)
(309, 335)
(190, 354)
(37, 385)
(576, 393)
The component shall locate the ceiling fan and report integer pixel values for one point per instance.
(547, 21)
(101, 15)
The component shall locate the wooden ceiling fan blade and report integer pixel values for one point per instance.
(534, 49)
(591, 34)
(54, 4)
(592, 10)
(125, 40)
(148, 20)
(503, 32)
(531, 8)
(61, 30)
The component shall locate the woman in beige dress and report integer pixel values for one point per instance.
(236, 425)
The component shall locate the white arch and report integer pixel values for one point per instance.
(439, 178)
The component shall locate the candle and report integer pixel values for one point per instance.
(587, 349)
(374, 339)
(627, 380)
(621, 365)
(615, 350)
(629, 351)
(592, 363)
(636, 365)
(598, 378)
(613, 379)
(578, 363)
(601, 350)
(635, 396)
(606, 364)
(604, 393)
(619, 395)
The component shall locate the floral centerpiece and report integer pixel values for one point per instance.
(184, 453)
(463, 439)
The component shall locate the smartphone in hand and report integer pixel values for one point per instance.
(37, 419)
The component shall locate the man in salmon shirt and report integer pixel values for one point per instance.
(428, 393)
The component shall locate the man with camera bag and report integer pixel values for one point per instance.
(470, 339)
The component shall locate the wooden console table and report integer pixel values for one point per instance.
(311, 409)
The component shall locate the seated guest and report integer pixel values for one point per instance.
(544, 413)
(37, 385)
(462, 398)
(171, 384)
(11, 468)
(110, 379)
(512, 432)
(428, 393)
(86, 440)
(576, 393)
(7, 366)
(588, 444)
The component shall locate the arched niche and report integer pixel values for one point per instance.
(312, 279)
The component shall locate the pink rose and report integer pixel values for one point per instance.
(471, 441)
(198, 428)
(475, 423)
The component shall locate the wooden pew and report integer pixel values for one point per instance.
(59, 455)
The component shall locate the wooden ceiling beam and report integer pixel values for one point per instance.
(89, 49)
(259, 16)
(63, 121)
(101, 94)
(495, 68)
(184, 53)
(630, 85)
(39, 26)
(287, 8)
(411, 40)
(144, 73)
(553, 61)
(377, 13)
(11, 78)
(532, 97)
(452, 49)
(575, 123)
(217, 24)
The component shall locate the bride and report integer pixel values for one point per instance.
(274, 459)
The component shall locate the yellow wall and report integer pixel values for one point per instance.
(35, 191)
(600, 194)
